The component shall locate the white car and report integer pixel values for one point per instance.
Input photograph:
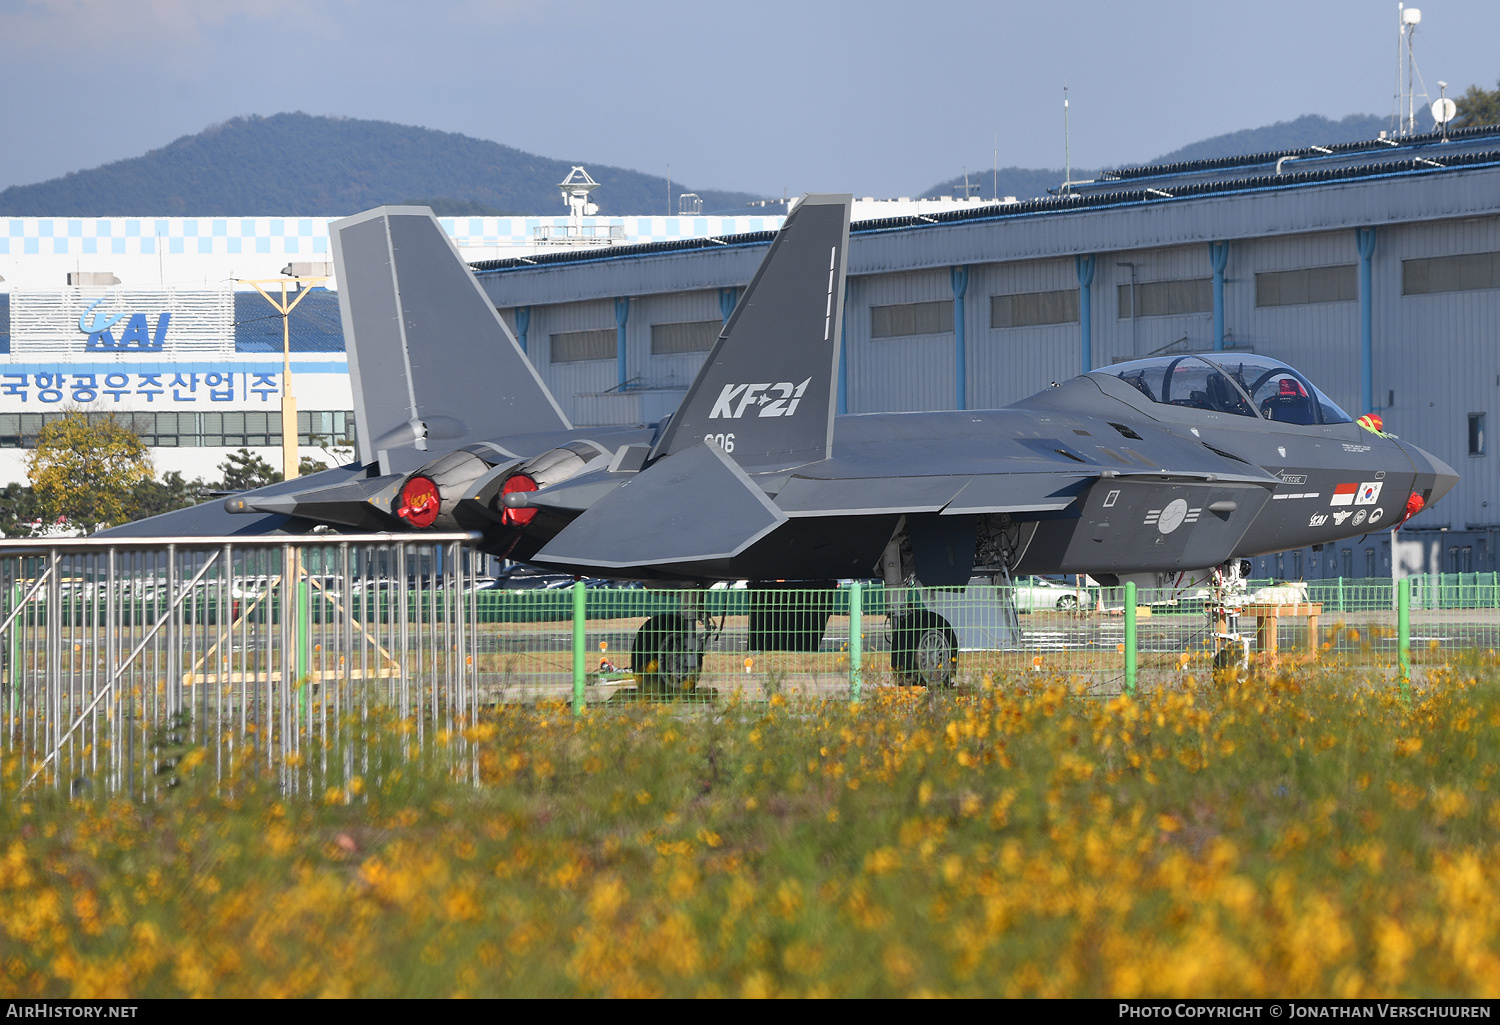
(1039, 594)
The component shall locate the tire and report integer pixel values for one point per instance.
(1229, 657)
(924, 650)
(1067, 603)
(663, 656)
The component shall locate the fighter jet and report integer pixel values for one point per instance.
(1161, 470)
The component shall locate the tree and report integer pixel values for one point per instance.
(1478, 107)
(18, 510)
(244, 470)
(173, 491)
(85, 468)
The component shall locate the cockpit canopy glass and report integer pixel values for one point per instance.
(1238, 384)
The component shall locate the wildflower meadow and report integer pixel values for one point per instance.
(1304, 834)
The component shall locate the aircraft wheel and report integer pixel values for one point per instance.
(1067, 603)
(924, 650)
(664, 657)
(1229, 656)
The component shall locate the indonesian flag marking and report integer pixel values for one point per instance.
(1343, 494)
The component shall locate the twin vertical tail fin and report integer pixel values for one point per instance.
(433, 366)
(767, 393)
(764, 401)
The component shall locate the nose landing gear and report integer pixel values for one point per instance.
(1226, 597)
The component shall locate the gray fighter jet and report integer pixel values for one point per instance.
(1161, 470)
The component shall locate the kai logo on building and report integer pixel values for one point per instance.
(137, 336)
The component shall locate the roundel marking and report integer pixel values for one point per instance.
(1172, 516)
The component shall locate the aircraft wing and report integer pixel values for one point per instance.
(276, 515)
(692, 506)
(949, 495)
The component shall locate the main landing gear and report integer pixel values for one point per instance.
(667, 653)
(924, 649)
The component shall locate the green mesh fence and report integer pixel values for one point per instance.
(281, 647)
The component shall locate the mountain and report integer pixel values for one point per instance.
(1308, 130)
(329, 166)
(1021, 182)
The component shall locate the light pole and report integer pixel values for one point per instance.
(289, 456)
(294, 584)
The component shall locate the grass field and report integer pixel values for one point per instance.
(1295, 836)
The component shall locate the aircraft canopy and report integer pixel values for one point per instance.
(1241, 384)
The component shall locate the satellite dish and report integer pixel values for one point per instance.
(1444, 110)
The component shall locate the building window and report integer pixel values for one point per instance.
(226, 429)
(1348, 560)
(1168, 298)
(1032, 309)
(1369, 562)
(1297, 565)
(1312, 285)
(1464, 273)
(577, 346)
(932, 318)
(1476, 434)
(672, 339)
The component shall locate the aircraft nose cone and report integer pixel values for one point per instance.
(1432, 473)
(1445, 478)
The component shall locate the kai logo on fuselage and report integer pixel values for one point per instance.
(778, 399)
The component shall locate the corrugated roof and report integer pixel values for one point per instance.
(1458, 136)
(1414, 156)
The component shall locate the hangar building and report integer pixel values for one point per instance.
(1373, 267)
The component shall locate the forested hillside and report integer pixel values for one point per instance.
(326, 166)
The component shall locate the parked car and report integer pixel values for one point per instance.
(1042, 594)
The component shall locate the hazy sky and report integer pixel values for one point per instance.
(879, 98)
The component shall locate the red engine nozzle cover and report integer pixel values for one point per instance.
(517, 517)
(419, 501)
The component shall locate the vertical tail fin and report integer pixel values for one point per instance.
(767, 393)
(433, 366)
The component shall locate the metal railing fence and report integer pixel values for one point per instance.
(287, 655)
(115, 655)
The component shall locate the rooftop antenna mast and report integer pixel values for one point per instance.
(1067, 157)
(1409, 82)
